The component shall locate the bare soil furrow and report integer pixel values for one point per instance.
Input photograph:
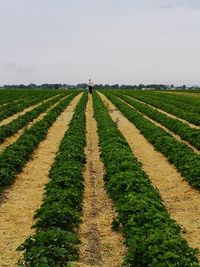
(25, 196)
(177, 137)
(168, 114)
(15, 116)
(100, 245)
(10, 140)
(181, 200)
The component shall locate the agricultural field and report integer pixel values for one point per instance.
(109, 179)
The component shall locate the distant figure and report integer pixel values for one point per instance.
(90, 86)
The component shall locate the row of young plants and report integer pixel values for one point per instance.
(187, 133)
(185, 114)
(12, 108)
(180, 101)
(151, 236)
(179, 154)
(8, 102)
(55, 242)
(14, 157)
(12, 127)
(10, 95)
(193, 101)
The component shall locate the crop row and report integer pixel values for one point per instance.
(7, 96)
(182, 129)
(151, 236)
(184, 102)
(14, 157)
(12, 127)
(177, 153)
(185, 114)
(20, 105)
(179, 101)
(55, 241)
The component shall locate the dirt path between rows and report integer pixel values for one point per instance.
(100, 245)
(176, 136)
(168, 114)
(16, 115)
(180, 199)
(10, 140)
(25, 196)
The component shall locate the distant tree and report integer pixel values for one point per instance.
(114, 86)
(81, 85)
(56, 86)
(32, 85)
(141, 86)
(22, 86)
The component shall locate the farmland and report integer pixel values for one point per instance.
(108, 179)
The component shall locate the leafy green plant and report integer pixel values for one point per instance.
(14, 157)
(178, 127)
(179, 111)
(12, 127)
(183, 157)
(23, 103)
(55, 241)
(52, 248)
(151, 236)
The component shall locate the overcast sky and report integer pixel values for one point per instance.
(109, 41)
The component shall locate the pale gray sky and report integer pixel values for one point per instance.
(109, 41)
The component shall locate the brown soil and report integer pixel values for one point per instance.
(10, 140)
(25, 196)
(181, 200)
(177, 137)
(100, 245)
(16, 115)
(169, 114)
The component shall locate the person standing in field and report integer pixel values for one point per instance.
(90, 86)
